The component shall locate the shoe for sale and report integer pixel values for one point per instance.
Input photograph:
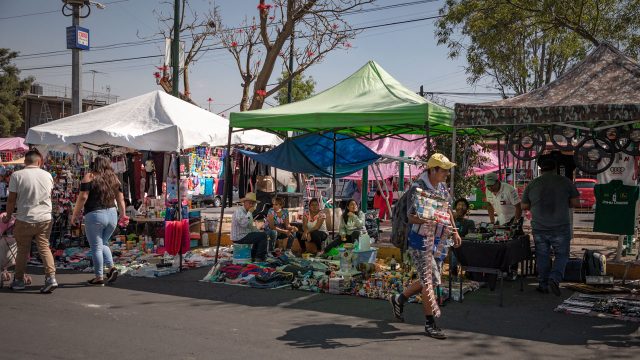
(431, 330)
(397, 307)
(555, 287)
(17, 285)
(50, 284)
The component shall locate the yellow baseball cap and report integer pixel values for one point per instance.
(441, 161)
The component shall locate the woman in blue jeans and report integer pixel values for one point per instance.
(100, 189)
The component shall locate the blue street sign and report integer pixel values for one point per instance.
(77, 38)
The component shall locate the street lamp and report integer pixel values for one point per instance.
(77, 40)
(209, 100)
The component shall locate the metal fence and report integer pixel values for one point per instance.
(65, 92)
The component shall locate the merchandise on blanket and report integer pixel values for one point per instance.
(621, 307)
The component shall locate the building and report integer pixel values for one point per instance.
(46, 102)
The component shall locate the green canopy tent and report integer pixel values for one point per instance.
(369, 104)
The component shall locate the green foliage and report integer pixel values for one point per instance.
(469, 151)
(11, 90)
(521, 45)
(302, 88)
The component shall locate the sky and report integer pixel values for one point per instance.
(409, 52)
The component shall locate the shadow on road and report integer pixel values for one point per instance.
(334, 336)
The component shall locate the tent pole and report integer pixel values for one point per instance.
(224, 194)
(499, 160)
(364, 190)
(453, 158)
(428, 130)
(333, 188)
(179, 214)
(401, 174)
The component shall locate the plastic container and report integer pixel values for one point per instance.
(365, 257)
(241, 253)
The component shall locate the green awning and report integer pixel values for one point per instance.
(369, 102)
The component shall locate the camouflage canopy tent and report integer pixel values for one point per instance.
(591, 110)
(605, 86)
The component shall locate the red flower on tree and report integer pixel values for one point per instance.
(157, 75)
(162, 68)
(234, 43)
(262, 93)
(310, 53)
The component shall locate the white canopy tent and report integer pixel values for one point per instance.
(155, 121)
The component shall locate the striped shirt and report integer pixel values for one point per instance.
(242, 224)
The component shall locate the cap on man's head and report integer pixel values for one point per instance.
(439, 160)
(490, 179)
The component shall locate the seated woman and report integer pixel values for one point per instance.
(314, 228)
(352, 224)
(463, 224)
(277, 225)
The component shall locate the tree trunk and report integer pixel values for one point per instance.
(185, 79)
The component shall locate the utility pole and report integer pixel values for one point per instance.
(175, 49)
(77, 40)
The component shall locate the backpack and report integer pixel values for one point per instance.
(593, 264)
(400, 220)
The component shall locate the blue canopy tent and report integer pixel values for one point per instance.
(313, 154)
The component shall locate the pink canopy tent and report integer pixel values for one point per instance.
(389, 146)
(13, 144)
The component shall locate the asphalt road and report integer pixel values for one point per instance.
(177, 317)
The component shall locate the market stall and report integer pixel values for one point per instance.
(370, 104)
(145, 137)
(592, 111)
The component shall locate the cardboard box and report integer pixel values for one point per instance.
(213, 239)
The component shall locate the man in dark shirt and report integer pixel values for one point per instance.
(550, 197)
(464, 224)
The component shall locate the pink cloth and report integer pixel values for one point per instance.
(15, 143)
(392, 147)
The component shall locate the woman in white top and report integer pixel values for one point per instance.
(314, 228)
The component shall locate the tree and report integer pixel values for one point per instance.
(12, 89)
(301, 88)
(469, 154)
(313, 28)
(200, 30)
(521, 45)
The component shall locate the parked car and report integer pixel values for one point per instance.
(585, 188)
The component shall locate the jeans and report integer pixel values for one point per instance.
(25, 233)
(558, 240)
(259, 241)
(99, 226)
(351, 238)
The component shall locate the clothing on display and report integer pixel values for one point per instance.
(624, 168)
(615, 208)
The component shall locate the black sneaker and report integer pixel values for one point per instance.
(555, 287)
(397, 307)
(112, 276)
(431, 330)
(95, 282)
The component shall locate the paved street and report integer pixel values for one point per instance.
(178, 317)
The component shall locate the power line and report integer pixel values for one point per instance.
(222, 47)
(50, 12)
(185, 36)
